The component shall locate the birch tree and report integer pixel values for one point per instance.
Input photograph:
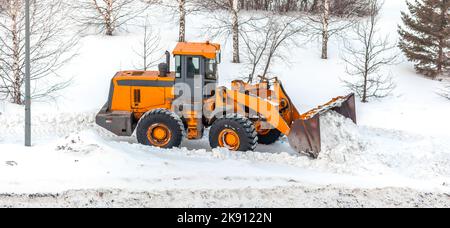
(50, 48)
(325, 16)
(182, 20)
(181, 9)
(234, 10)
(230, 25)
(324, 25)
(108, 15)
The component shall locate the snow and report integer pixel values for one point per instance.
(91, 158)
(309, 197)
(401, 143)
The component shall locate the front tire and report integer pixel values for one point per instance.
(160, 128)
(233, 132)
(269, 137)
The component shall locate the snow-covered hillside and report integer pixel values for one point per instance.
(401, 142)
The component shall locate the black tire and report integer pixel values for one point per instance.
(270, 138)
(241, 125)
(168, 119)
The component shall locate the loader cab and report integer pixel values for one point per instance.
(196, 69)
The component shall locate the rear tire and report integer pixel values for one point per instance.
(269, 138)
(234, 132)
(160, 128)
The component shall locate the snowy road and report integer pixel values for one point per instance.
(282, 197)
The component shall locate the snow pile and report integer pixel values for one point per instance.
(45, 125)
(341, 138)
(343, 149)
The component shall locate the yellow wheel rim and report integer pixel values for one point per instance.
(229, 139)
(159, 135)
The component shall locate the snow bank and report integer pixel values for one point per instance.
(45, 125)
(280, 197)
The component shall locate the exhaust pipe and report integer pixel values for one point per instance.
(168, 61)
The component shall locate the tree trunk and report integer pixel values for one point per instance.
(17, 72)
(182, 32)
(109, 30)
(109, 24)
(440, 61)
(325, 24)
(235, 31)
(442, 41)
(364, 96)
(366, 73)
(266, 68)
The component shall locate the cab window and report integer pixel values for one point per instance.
(178, 66)
(210, 69)
(193, 66)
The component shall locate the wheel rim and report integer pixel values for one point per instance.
(159, 135)
(229, 139)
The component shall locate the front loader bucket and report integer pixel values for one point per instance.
(305, 137)
(347, 108)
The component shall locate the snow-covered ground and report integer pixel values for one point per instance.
(280, 197)
(398, 155)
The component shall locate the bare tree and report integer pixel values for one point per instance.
(150, 47)
(108, 15)
(50, 48)
(181, 9)
(325, 25)
(255, 50)
(230, 25)
(367, 56)
(267, 41)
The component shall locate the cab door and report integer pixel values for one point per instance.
(194, 77)
(190, 80)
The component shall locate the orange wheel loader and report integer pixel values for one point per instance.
(163, 107)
